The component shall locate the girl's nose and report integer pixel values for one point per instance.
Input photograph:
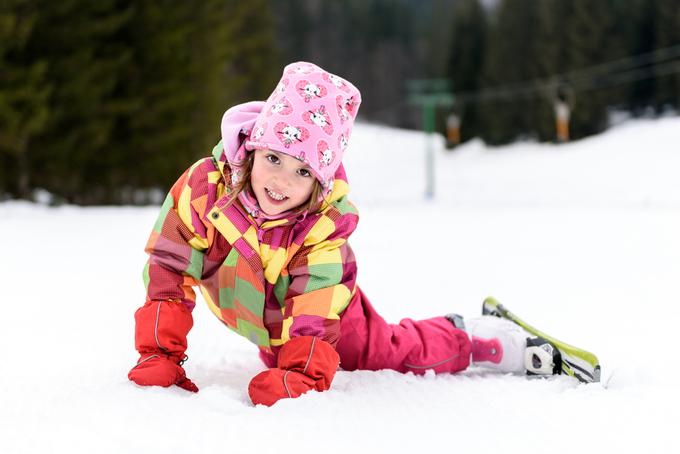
(285, 181)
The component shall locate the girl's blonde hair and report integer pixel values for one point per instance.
(312, 205)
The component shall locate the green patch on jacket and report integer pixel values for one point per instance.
(251, 332)
(281, 288)
(344, 206)
(168, 203)
(145, 275)
(322, 276)
(195, 267)
(249, 296)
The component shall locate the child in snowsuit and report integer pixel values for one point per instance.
(262, 228)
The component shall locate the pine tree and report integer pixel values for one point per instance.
(156, 136)
(466, 59)
(23, 95)
(518, 55)
(191, 63)
(641, 93)
(73, 156)
(134, 90)
(666, 22)
(588, 37)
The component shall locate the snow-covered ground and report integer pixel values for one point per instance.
(582, 240)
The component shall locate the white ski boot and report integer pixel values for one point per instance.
(505, 346)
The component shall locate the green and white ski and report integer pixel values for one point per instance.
(576, 362)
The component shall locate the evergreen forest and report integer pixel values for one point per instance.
(108, 101)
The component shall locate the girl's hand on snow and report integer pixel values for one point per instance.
(304, 363)
(158, 370)
(161, 329)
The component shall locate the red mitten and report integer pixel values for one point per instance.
(162, 326)
(157, 370)
(304, 363)
(161, 329)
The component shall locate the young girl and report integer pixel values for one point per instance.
(262, 227)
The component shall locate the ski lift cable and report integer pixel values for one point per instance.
(575, 77)
(630, 62)
(640, 67)
(581, 83)
(602, 82)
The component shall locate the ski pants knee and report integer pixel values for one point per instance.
(368, 342)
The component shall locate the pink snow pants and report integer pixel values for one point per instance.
(368, 342)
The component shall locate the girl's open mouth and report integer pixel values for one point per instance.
(275, 197)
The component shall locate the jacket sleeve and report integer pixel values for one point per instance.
(177, 242)
(322, 280)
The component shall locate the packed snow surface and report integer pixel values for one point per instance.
(582, 240)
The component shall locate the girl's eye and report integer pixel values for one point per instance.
(305, 173)
(273, 159)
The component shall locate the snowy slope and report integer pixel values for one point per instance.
(581, 240)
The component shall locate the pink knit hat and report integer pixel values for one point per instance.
(308, 116)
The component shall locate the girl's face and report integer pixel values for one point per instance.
(280, 182)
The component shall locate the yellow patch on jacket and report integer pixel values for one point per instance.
(273, 262)
(321, 230)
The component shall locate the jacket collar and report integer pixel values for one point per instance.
(240, 229)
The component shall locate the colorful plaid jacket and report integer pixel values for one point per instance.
(287, 278)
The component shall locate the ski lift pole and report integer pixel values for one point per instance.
(428, 126)
(430, 94)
